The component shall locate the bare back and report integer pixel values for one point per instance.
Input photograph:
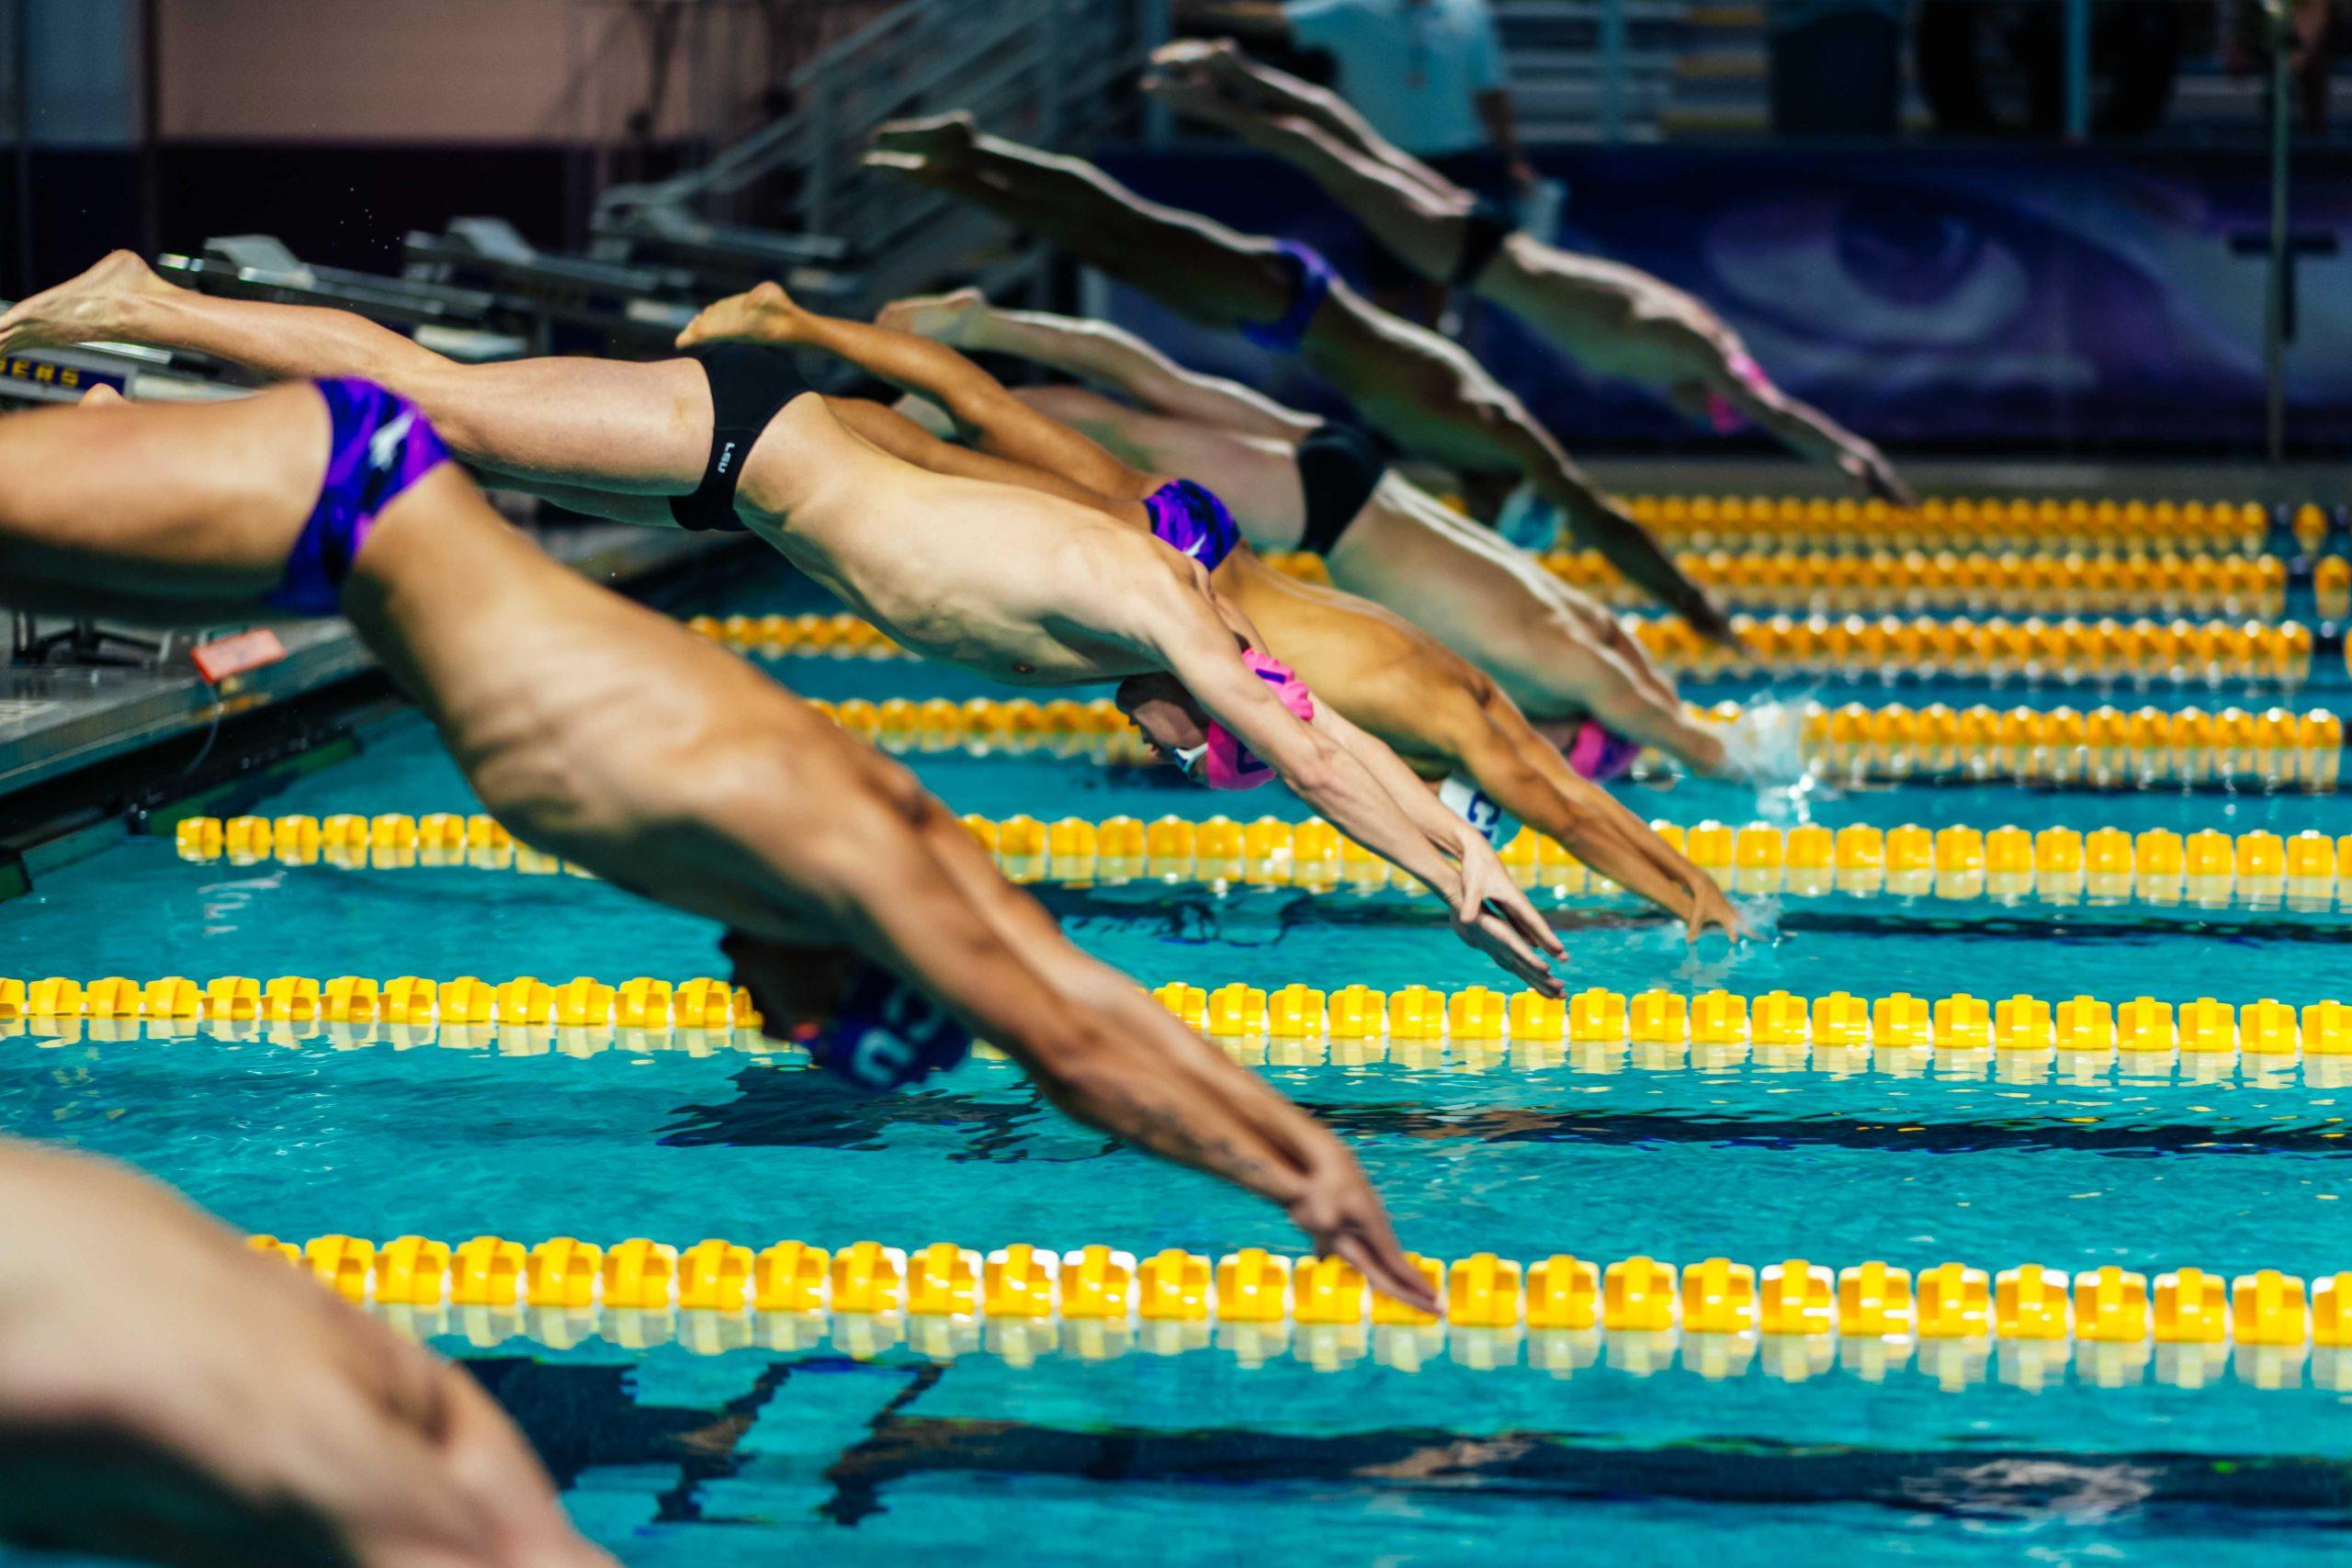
(1019, 585)
(590, 726)
(1423, 391)
(1599, 312)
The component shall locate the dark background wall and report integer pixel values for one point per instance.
(337, 126)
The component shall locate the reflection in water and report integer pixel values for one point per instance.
(2023, 1484)
(579, 1416)
(805, 1110)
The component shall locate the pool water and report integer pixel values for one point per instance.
(672, 1458)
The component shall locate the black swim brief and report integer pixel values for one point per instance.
(1485, 228)
(1339, 468)
(749, 385)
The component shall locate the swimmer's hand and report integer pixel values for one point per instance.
(1492, 914)
(1710, 911)
(1868, 466)
(1337, 1207)
(166, 1393)
(1117, 1060)
(1709, 619)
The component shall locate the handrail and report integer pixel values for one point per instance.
(1014, 59)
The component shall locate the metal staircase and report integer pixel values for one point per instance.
(1055, 72)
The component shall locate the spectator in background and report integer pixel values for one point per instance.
(2316, 29)
(1837, 66)
(1428, 74)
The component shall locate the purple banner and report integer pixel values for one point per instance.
(2032, 298)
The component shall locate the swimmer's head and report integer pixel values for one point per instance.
(1161, 708)
(856, 1020)
(1210, 754)
(1591, 748)
(1600, 752)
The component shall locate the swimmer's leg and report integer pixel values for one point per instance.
(1191, 263)
(986, 415)
(164, 514)
(597, 424)
(1422, 219)
(899, 436)
(1224, 70)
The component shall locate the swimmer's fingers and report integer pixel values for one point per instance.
(1710, 620)
(1493, 936)
(1385, 1267)
(1512, 903)
(1726, 920)
(1888, 485)
(489, 1461)
(1486, 886)
(907, 165)
(1470, 896)
(1344, 1217)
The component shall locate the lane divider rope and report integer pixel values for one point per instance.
(2059, 747)
(2069, 650)
(2308, 872)
(1889, 582)
(2063, 747)
(2109, 1323)
(1976, 522)
(1718, 1024)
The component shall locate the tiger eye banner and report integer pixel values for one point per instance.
(2039, 298)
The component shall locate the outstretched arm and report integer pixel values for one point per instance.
(1313, 1174)
(1494, 744)
(1358, 784)
(905, 886)
(1099, 352)
(1732, 377)
(1602, 524)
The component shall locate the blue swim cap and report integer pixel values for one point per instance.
(886, 1034)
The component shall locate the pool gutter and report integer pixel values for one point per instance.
(87, 754)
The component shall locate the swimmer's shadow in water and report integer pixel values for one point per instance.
(2019, 1485)
(800, 1109)
(1195, 919)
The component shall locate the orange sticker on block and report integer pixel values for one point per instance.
(223, 657)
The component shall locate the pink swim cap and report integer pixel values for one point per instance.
(1726, 418)
(1600, 752)
(1224, 762)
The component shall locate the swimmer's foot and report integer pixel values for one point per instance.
(943, 317)
(766, 314)
(943, 140)
(89, 308)
(1216, 63)
(909, 166)
(101, 396)
(1196, 98)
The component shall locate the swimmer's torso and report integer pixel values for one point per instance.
(1019, 586)
(1417, 388)
(1602, 314)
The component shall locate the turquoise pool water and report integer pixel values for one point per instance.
(672, 1458)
